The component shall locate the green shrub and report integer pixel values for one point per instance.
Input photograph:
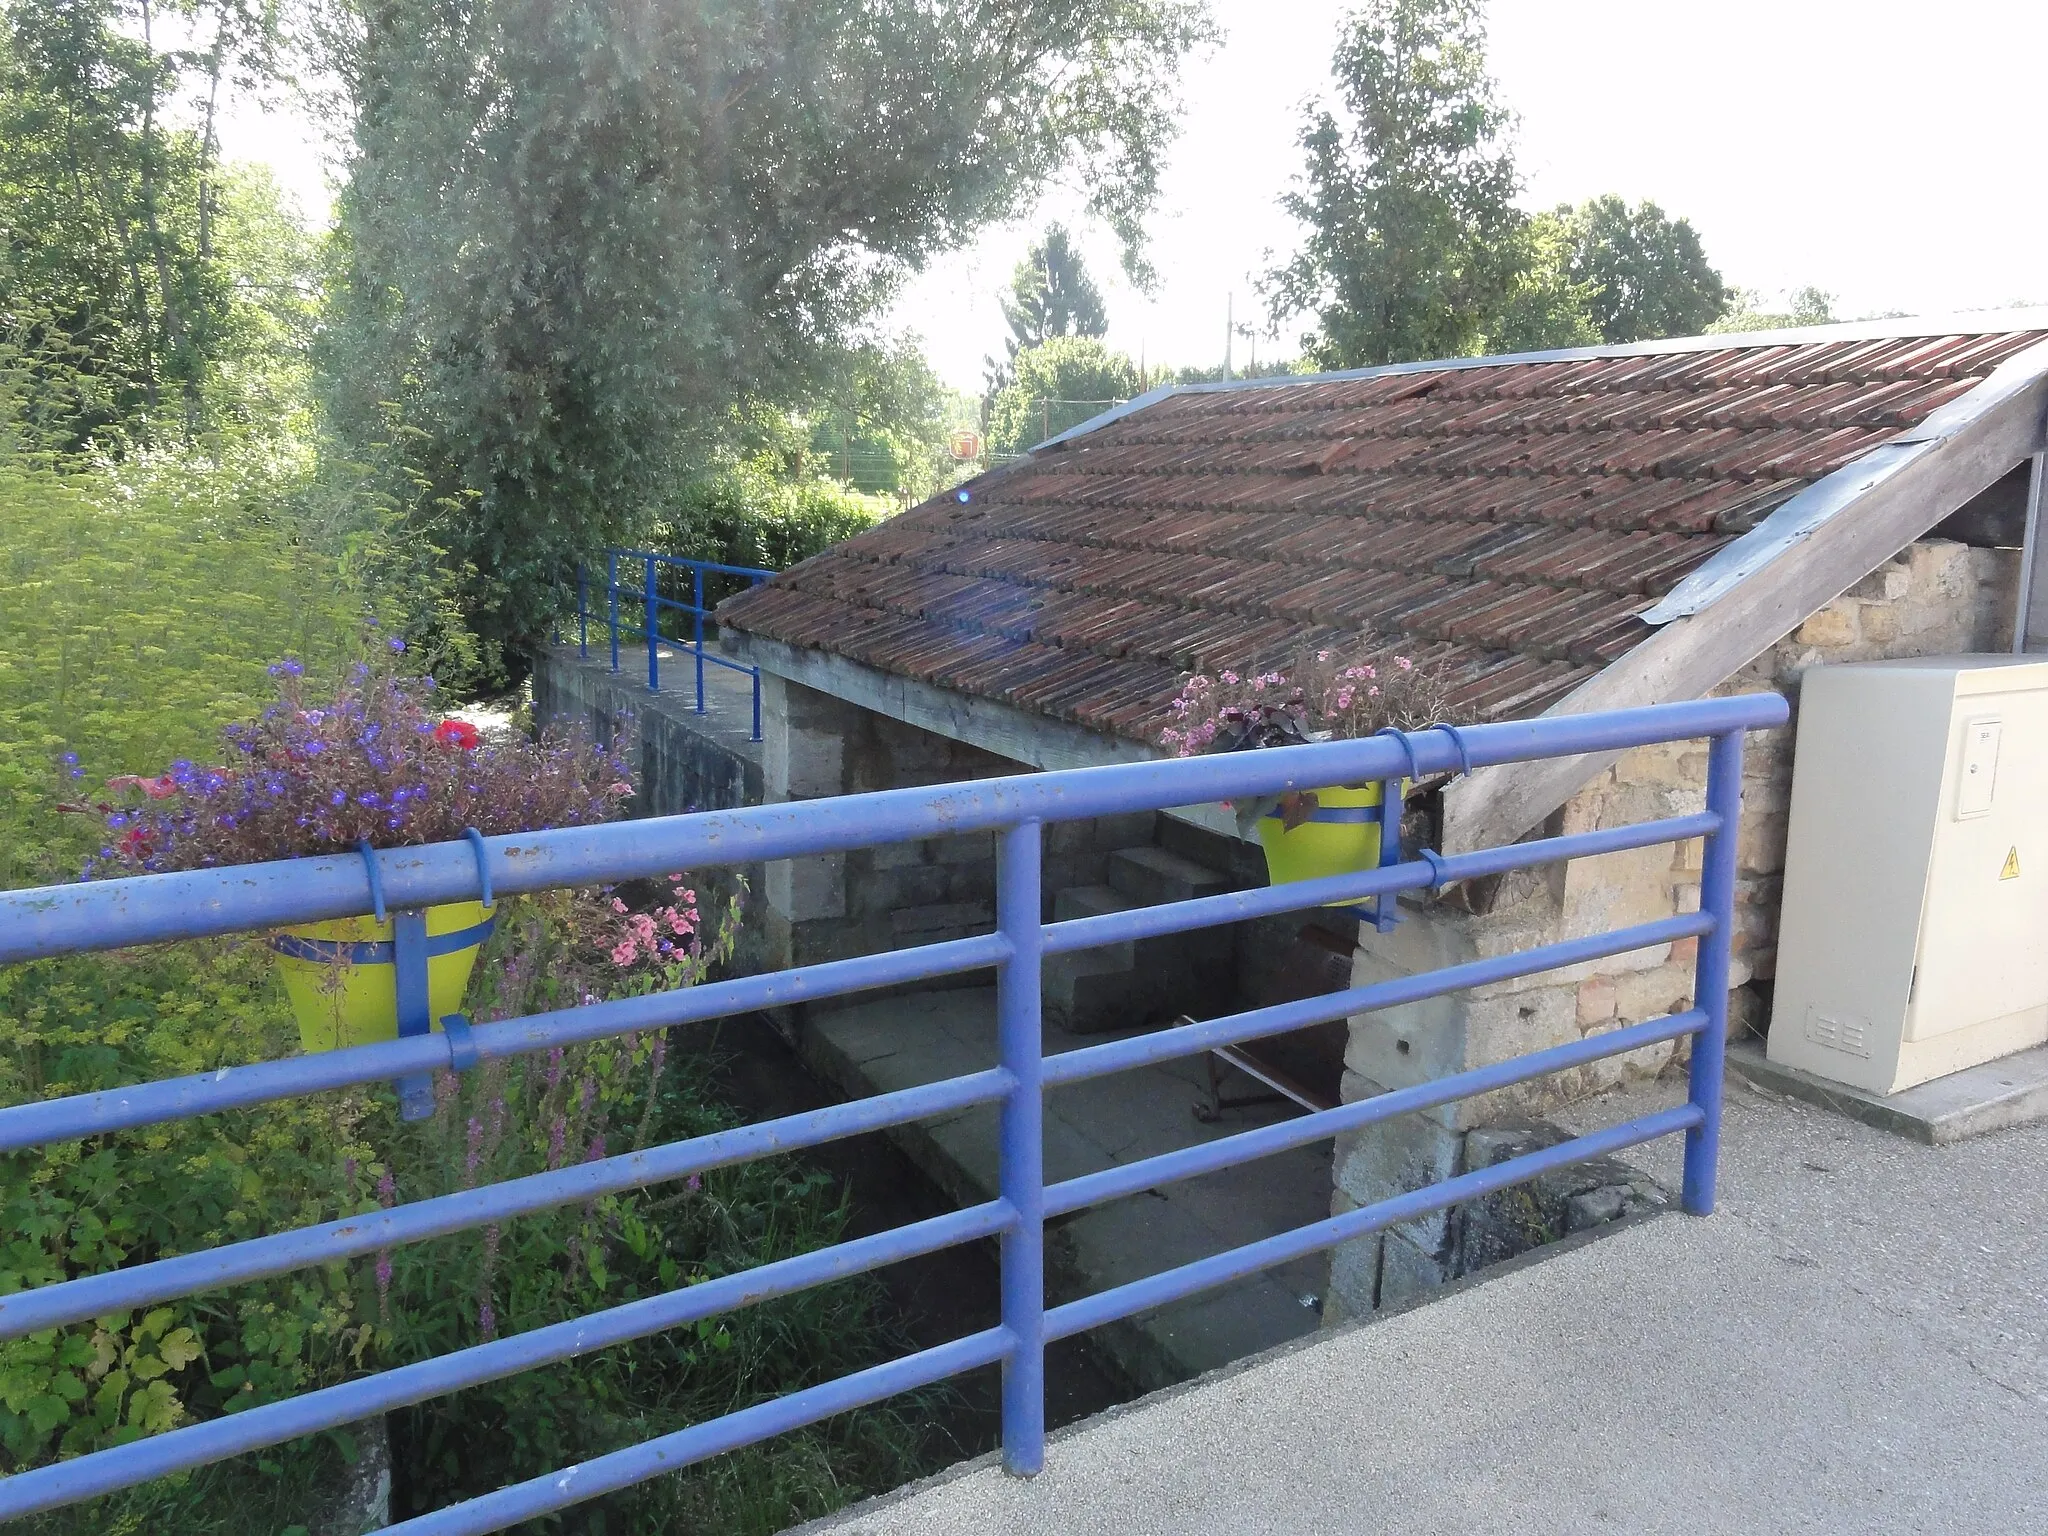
(753, 512)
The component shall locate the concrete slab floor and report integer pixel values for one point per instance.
(1856, 1342)
(891, 1043)
(1974, 1102)
(728, 717)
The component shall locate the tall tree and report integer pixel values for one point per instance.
(1645, 275)
(1051, 294)
(1408, 196)
(117, 298)
(578, 233)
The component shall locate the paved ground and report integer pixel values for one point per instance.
(1858, 1342)
(895, 1042)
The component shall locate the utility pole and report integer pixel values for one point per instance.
(1229, 327)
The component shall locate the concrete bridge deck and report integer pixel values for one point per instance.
(1856, 1342)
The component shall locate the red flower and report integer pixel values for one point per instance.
(135, 843)
(458, 733)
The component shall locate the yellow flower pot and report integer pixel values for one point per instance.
(343, 980)
(1340, 837)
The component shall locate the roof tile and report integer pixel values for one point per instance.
(1506, 521)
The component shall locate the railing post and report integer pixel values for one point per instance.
(1710, 973)
(1021, 1048)
(582, 611)
(697, 602)
(611, 587)
(757, 704)
(415, 1006)
(653, 630)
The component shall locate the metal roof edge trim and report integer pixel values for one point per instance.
(1985, 322)
(1795, 520)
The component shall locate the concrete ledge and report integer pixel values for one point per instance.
(1993, 1097)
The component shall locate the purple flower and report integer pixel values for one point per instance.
(396, 644)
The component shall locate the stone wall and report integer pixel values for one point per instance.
(1935, 598)
(903, 894)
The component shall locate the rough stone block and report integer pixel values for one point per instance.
(919, 924)
(1394, 1157)
(1354, 1271)
(1596, 1001)
(1834, 625)
(1939, 568)
(1408, 1274)
(1651, 994)
(1887, 583)
(886, 856)
(805, 890)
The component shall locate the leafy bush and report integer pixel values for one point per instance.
(144, 602)
(755, 512)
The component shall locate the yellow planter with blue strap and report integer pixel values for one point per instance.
(342, 975)
(1340, 837)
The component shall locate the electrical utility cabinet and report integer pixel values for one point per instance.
(1913, 938)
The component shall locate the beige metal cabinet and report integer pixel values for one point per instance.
(1913, 939)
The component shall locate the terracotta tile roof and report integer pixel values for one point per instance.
(1509, 520)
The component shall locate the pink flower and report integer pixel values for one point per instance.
(1229, 678)
(157, 788)
(618, 905)
(681, 922)
(642, 926)
(1344, 697)
(625, 953)
(1404, 663)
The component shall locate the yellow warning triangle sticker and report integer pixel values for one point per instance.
(2012, 865)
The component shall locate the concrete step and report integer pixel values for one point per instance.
(880, 1046)
(1136, 983)
(1151, 877)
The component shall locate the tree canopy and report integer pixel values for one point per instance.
(1058, 385)
(1051, 294)
(133, 266)
(576, 234)
(1408, 199)
(1415, 247)
(1645, 274)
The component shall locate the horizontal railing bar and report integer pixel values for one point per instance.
(1205, 1274)
(149, 908)
(1256, 1024)
(74, 1301)
(1333, 890)
(26, 1493)
(697, 565)
(177, 1098)
(686, 1447)
(1209, 1157)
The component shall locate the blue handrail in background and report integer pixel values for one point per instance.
(650, 602)
(67, 919)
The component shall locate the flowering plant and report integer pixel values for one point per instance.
(374, 762)
(1321, 698)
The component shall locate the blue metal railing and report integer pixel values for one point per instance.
(65, 919)
(648, 600)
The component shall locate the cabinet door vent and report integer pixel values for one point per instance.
(1838, 1032)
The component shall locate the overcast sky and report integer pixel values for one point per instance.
(1888, 153)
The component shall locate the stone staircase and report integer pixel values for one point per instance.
(1143, 982)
